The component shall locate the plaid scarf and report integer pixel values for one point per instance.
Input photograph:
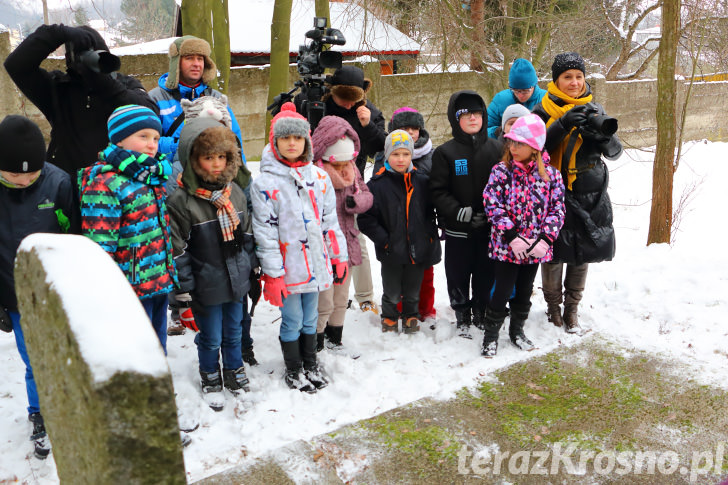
(226, 213)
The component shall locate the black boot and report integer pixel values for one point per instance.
(463, 323)
(493, 321)
(294, 368)
(311, 369)
(320, 340)
(333, 337)
(235, 380)
(519, 315)
(479, 318)
(42, 447)
(211, 383)
(249, 356)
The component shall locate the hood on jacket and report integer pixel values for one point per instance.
(457, 132)
(329, 130)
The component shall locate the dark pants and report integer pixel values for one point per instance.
(508, 274)
(466, 263)
(30, 389)
(245, 340)
(401, 282)
(156, 308)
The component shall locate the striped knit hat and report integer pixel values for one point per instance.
(127, 120)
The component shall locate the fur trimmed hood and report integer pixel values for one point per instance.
(185, 46)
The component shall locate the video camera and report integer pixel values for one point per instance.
(598, 122)
(311, 61)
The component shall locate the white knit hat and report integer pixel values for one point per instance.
(341, 151)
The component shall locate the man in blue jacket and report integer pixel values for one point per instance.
(190, 71)
(522, 89)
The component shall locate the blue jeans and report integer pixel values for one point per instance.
(30, 388)
(220, 332)
(245, 340)
(156, 308)
(299, 315)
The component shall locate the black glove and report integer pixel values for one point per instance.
(80, 39)
(6, 325)
(478, 221)
(576, 116)
(255, 290)
(350, 202)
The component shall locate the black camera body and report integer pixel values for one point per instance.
(98, 61)
(311, 62)
(599, 122)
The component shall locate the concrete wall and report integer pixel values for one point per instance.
(632, 102)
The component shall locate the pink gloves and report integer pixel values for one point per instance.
(274, 290)
(539, 249)
(340, 271)
(520, 247)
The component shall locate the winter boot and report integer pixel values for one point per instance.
(571, 320)
(369, 306)
(389, 325)
(411, 325)
(42, 447)
(519, 315)
(479, 318)
(294, 377)
(211, 383)
(551, 274)
(235, 380)
(333, 337)
(311, 368)
(249, 356)
(463, 323)
(574, 283)
(493, 321)
(320, 341)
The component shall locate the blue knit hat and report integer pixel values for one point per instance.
(127, 120)
(522, 75)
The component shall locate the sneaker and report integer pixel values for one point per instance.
(175, 327)
(389, 325)
(369, 306)
(41, 444)
(411, 325)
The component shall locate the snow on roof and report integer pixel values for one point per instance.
(250, 22)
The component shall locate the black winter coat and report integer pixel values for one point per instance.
(460, 171)
(77, 106)
(44, 206)
(588, 234)
(401, 221)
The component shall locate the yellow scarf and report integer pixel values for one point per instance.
(555, 112)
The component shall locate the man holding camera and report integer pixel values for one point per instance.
(78, 102)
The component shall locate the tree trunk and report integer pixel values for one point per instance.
(322, 10)
(208, 19)
(664, 166)
(280, 34)
(45, 12)
(477, 15)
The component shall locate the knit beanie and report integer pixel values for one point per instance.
(564, 62)
(468, 103)
(406, 116)
(288, 122)
(513, 111)
(397, 139)
(522, 75)
(24, 149)
(186, 46)
(127, 120)
(349, 84)
(529, 129)
(329, 131)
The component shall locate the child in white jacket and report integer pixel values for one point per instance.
(301, 248)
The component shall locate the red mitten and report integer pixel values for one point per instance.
(274, 290)
(187, 319)
(340, 271)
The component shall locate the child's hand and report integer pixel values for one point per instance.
(539, 249)
(274, 290)
(520, 247)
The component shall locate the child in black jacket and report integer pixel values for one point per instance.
(401, 223)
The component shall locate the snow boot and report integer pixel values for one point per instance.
(294, 377)
(463, 323)
(493, 322)
(235, 380)
(411, 325)
(574, 283)
(389, 325)
(571, 320)
(333, 337)
(311, 368)
(249, 356)
(320, 341)
(519, 315)
(479, 318)
(551, 274)
(41, 444)
(212, 394)
(369, 306)
(553, 313)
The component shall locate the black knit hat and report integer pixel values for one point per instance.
(24, 149)
(468, 103)
(348, 76)
(564, 62)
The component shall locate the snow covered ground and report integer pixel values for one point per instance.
(668, 300)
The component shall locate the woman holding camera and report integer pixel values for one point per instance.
(579, 133)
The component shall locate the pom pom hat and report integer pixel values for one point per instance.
(288, 122)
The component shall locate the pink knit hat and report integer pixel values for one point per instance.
(329, 132)
(529, 129)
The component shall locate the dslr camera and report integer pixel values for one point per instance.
(98, 61)
(599, 123)
(311, 62)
